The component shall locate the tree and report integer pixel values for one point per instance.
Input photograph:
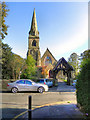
(4, 27)
(12, 64)
(18, 65)
(74, 62)
(31, 69)
(7, 57)
(85, 55)
(39, 72)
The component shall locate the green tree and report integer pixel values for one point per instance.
(12, 64)
(74, 62)
(4, 10)
(18, 65)
(85, 55)
(7, 57)
(31, 69)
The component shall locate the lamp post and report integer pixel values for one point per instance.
(19, 74)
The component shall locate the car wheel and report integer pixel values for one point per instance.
(40, 89)
(14, 90)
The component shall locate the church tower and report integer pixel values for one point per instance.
(33, 41)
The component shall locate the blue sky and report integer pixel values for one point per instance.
(63, 27)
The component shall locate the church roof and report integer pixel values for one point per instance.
(64, 63)
(34, 29)
(48, 52)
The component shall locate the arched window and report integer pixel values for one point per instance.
(48, 60)
(34, 43)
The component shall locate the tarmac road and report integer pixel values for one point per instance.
(14, 104)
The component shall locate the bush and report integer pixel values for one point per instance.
(82, 86)
(5, 82)
(55, 82)
(34, 79)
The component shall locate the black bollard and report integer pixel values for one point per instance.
(29, 109)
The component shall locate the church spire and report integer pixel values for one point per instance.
(34, 30)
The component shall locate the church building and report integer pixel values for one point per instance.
(47, 61)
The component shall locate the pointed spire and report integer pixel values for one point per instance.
(34, 30)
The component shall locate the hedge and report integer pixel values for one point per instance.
(83, 86)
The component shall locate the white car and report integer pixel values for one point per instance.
(26, 85)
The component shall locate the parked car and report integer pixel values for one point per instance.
(74, 82)
(26, 85)
(46, 82)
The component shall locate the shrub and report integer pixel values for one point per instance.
(82, 86)
(55, 82)
(5, 82)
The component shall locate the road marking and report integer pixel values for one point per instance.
(19, 115)
(56, 103)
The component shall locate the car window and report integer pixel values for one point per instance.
(20, 82)
(41, 81)
(28, 82)
(46, 80)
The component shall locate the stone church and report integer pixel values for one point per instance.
(47, 61)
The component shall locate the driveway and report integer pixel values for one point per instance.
(63, 87)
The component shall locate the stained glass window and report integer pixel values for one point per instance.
(48, 60)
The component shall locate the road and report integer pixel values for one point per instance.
(14, 104)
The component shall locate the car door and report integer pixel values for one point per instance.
(21, 85)
(28, 85)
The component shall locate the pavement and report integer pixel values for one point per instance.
(68, 111)
(60, 110)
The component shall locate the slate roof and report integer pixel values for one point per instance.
(64, 63)
(49, 53)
